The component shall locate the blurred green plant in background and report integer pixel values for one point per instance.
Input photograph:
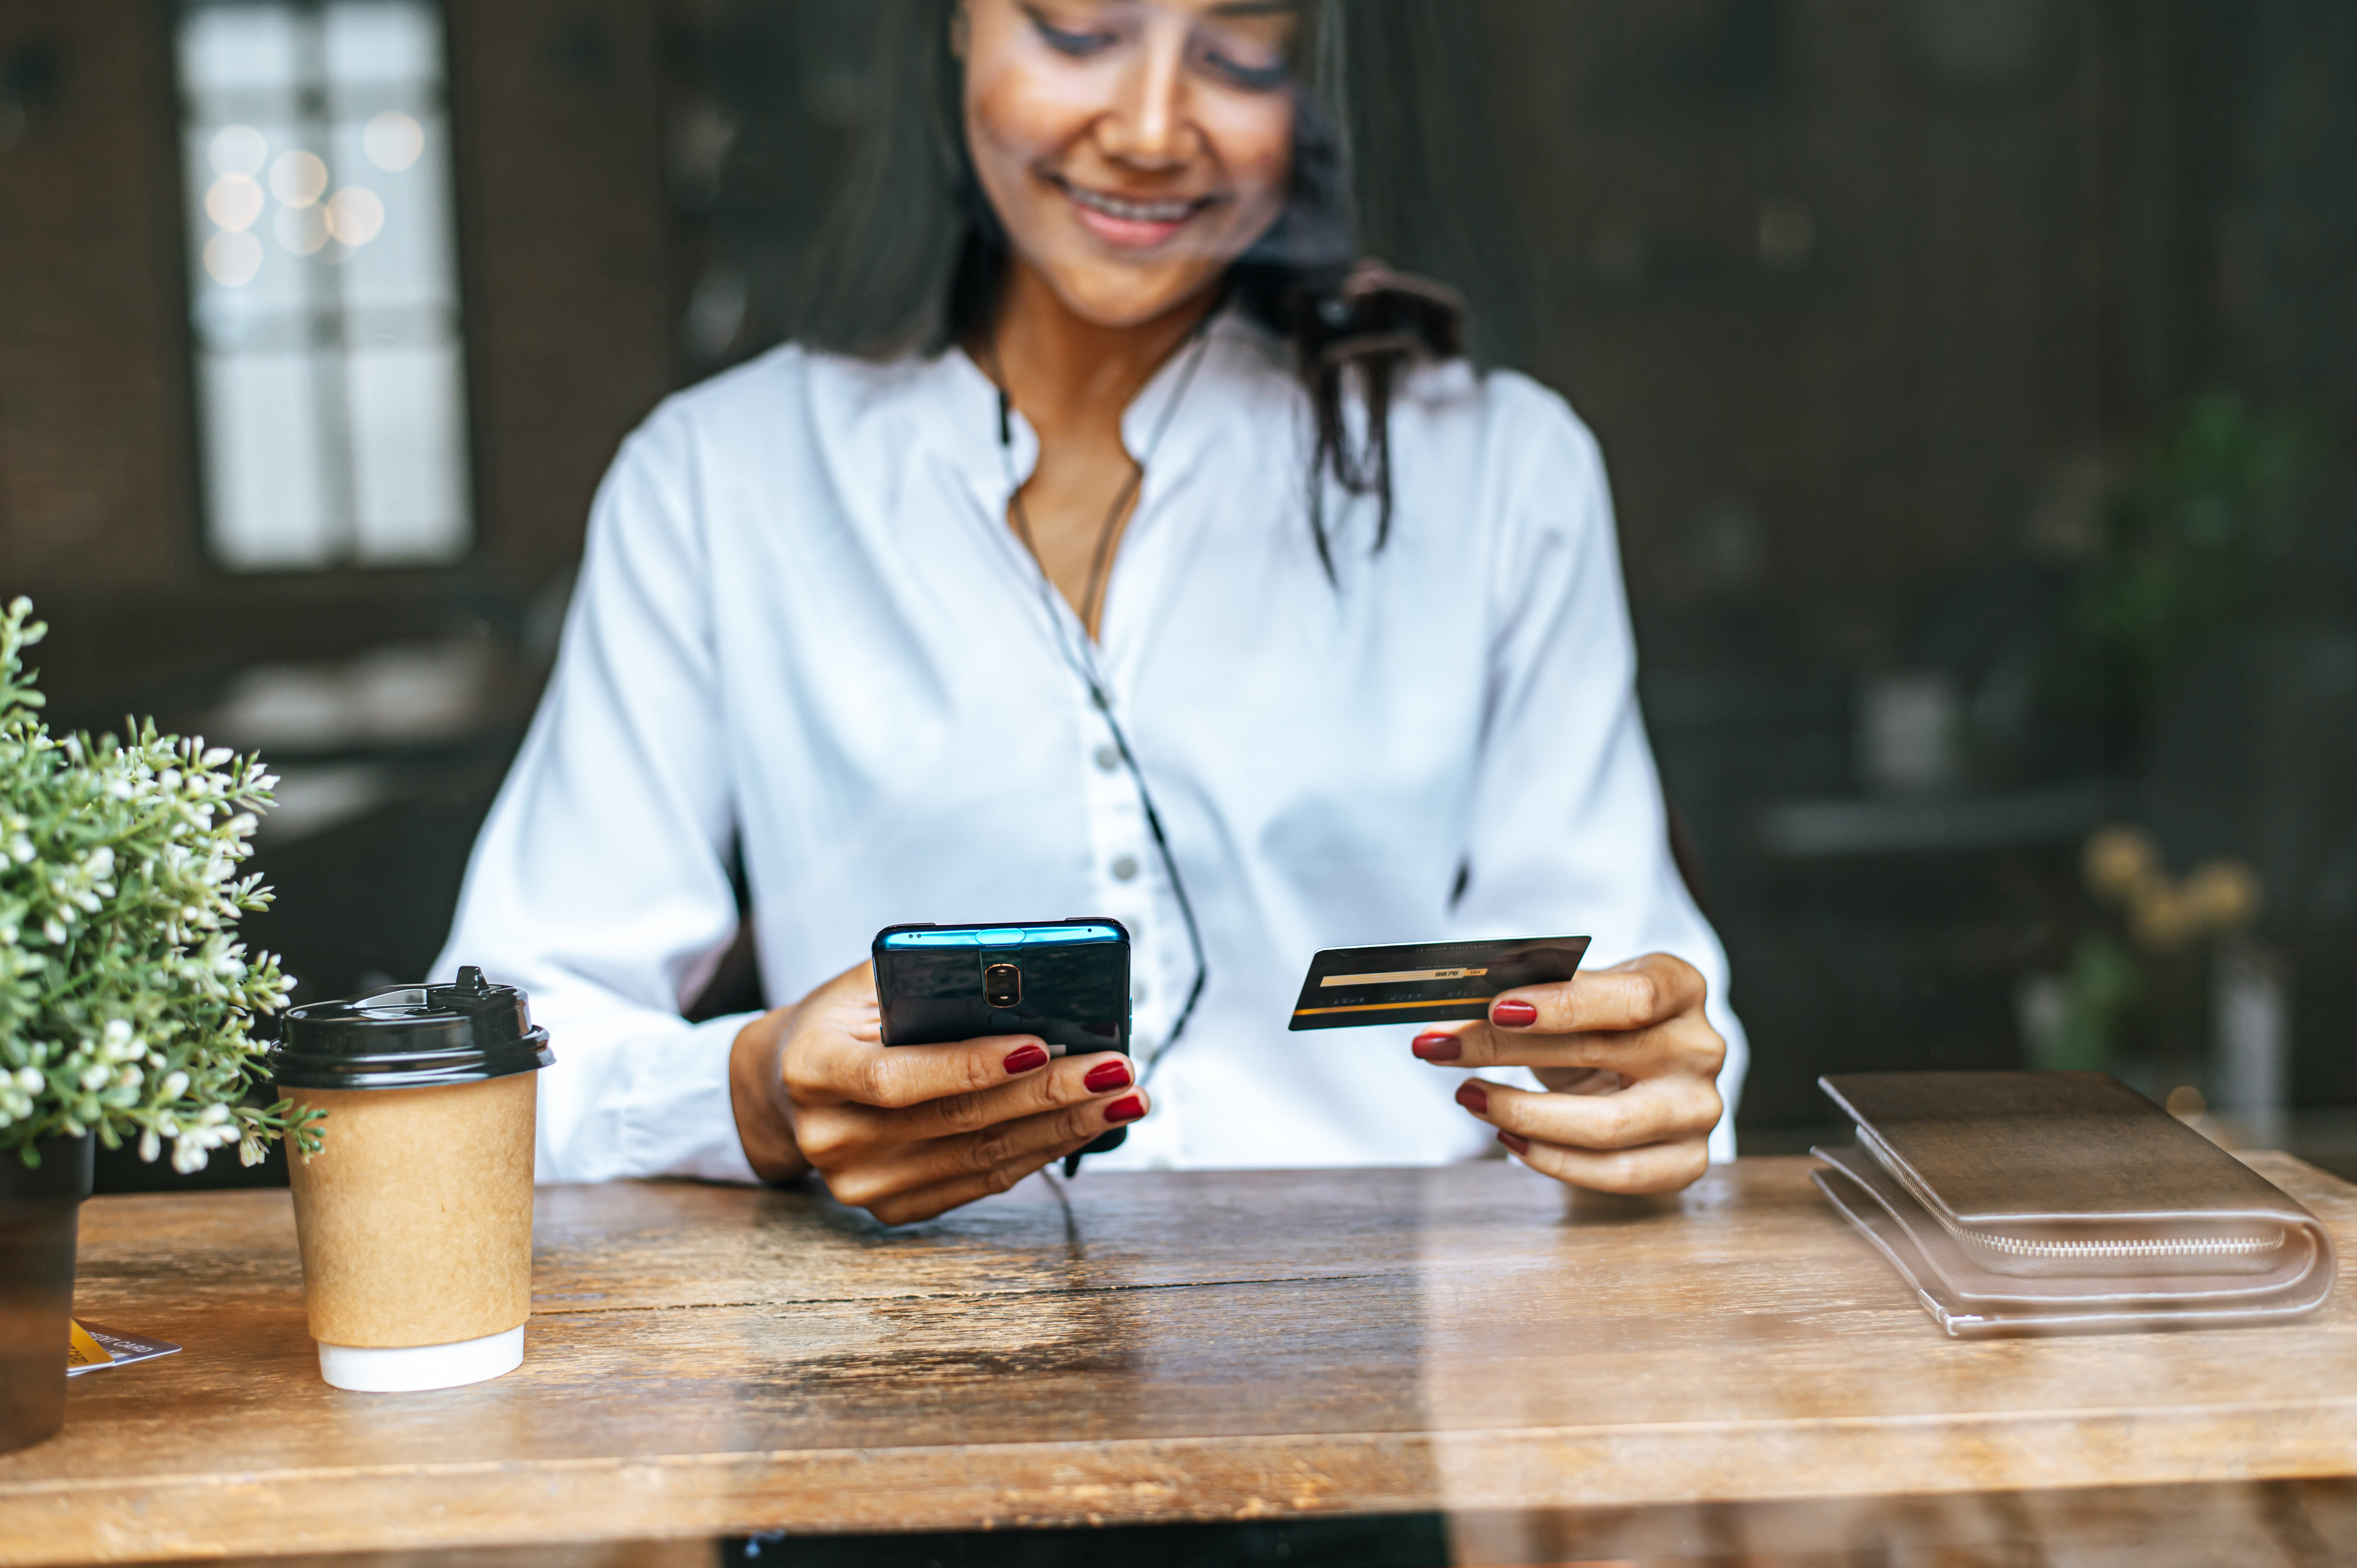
(2187, 537)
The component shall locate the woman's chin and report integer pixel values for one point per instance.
(1116, 298)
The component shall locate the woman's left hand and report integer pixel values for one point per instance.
(1632, 1062)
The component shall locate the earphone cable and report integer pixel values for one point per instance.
(1084, 665)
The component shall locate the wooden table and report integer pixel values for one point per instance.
(704, 1360)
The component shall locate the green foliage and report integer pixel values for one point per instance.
(2103, 984)
(125, 1002)
(2187, 537)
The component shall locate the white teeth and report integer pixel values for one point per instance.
(1132, 212)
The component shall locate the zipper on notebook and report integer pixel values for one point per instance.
(2243, 1246)
(2202, 1247)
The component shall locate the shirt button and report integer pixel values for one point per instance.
(1125, 868)
(1108, 758)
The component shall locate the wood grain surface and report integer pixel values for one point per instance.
(1210, 1345)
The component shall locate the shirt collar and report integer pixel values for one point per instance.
(1211, 379)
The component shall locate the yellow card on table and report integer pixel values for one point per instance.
(82, 1351)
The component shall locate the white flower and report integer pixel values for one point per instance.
(174, 1084)
(28, 1081)
(216, 755)
(188, 1155)
(54, 931)
(150, 1145)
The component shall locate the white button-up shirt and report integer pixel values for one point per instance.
(803, 627)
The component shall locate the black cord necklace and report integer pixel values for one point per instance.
(1092, 607)
(1083, 660)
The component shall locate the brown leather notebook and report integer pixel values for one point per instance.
(2060, 1202)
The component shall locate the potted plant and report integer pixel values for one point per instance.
(125, 999)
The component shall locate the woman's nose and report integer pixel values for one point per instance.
(1147, 124)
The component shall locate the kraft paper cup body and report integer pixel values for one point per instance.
(415, 1219)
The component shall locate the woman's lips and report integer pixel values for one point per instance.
(1131, 222)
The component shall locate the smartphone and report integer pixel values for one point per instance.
(1064, 981)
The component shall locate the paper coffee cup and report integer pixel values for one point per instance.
(415, 1219)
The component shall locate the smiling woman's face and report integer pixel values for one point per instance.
(1131, 148)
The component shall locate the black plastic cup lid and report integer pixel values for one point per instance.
(412, 1037)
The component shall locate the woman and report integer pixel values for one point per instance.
(1131, 555)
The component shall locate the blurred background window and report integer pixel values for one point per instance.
(324, 301)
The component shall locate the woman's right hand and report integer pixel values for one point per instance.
(911, 1131)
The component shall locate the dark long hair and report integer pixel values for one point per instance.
(1393, 157)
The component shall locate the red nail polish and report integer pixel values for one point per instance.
(1437, 1048)
(1106, 1075)
(1520, 1145)
(1128, 1108)
(1023, 1059)
(1513, 1015)
(1474, 1098)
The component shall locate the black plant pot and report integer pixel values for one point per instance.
(38, 1208)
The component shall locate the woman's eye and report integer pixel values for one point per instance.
(1251, 75)
(1079, 43)
(1254, 58)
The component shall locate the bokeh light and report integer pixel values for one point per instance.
(232, 258)
(234, 201)
(300, 230)
(393, 141)
(298, 178)
(238, 150)
(355, 215)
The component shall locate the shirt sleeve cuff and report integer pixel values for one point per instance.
(682, 1120)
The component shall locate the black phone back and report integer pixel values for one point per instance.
(1064, 981)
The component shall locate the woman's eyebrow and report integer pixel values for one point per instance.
(1257, 9)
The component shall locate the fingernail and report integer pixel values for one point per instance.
(1513, 1015)
(1128, 1108)
(1520, 1145)
(1437, 1048)
(1474, 1098)
(1106, 1075)
(1023, 1059)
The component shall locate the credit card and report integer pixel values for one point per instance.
(1427, 982)
(111, 1350)
(83, 1353)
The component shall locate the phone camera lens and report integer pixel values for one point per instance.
(1001, 985)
